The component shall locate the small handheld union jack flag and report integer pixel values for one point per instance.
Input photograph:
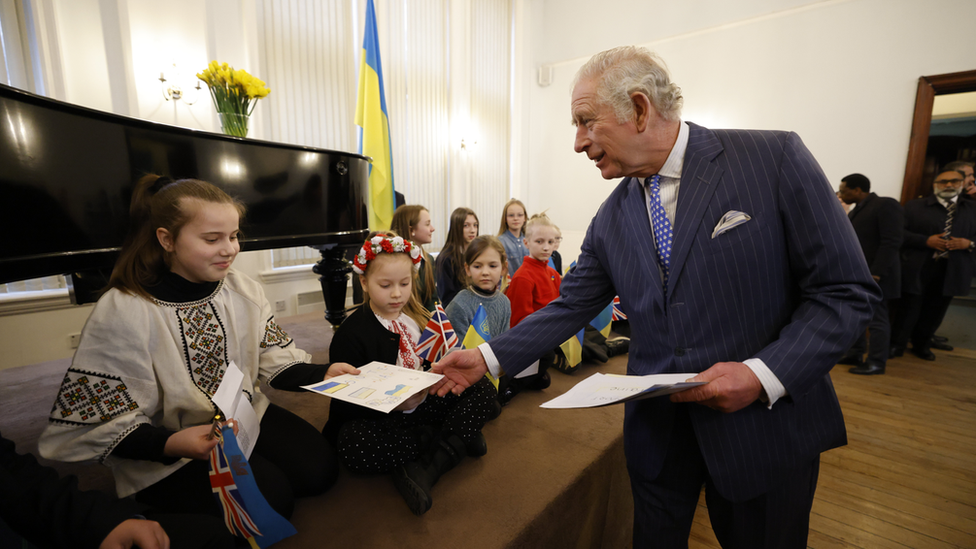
(438, 337)
(246, 512)
(618, 313)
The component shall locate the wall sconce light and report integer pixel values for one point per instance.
(175, 92)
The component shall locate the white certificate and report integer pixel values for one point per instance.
(232, 401)
(606, 389)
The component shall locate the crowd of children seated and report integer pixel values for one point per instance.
(176, 318)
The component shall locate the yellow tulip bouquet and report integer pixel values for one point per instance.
(234, 93)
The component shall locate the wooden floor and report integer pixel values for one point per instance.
(907, 478)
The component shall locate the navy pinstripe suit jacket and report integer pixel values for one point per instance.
(790, 287)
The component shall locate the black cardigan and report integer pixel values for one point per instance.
(360, 339)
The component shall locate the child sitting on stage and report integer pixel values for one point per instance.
(450, 261)
(511, 234)
(484, 265)
(138, 395)
(534, 285)
(413, 221)
(426, 436)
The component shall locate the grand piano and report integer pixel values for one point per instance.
(67, 174)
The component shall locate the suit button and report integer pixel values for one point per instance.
(679, 351)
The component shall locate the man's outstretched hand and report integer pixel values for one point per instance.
(731, 387)
(461, 370)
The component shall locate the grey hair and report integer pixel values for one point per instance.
(623, 71)
(957, 165)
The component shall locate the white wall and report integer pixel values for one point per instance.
(841, 73)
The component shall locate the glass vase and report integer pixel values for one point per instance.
(232, 123)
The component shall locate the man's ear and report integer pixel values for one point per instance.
(642, 110)
(165, 239)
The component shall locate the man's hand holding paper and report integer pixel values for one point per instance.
(731, 386)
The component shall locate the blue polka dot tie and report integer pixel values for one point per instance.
(661, 227)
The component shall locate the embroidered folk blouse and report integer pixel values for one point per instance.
(154, 362)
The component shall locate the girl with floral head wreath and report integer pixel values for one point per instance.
(425, 436)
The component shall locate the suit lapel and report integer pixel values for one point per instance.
(639, 227)
(699, 178)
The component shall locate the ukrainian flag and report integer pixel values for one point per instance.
(602, 321)
(573, 349)
(374, 123)
(478, 334)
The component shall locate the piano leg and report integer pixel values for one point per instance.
(334, 271)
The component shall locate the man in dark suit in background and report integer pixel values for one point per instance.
(878, 222)
(969, 192)
(937, 262)
(737, 267)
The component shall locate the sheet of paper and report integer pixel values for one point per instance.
(606, 389)
(232, 401)
(378, 386)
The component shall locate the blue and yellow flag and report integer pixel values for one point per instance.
(478, 334)
(602, 321)
(374, 123)
(573, 349)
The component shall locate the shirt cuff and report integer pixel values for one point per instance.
(771, 384)
(493, 366)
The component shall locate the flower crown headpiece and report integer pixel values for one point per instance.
(384, 244)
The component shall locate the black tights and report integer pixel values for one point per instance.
(290, 460)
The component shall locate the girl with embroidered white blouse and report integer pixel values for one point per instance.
(138, 394)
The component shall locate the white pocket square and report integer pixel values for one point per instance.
(729, 221)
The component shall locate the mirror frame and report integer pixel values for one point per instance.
(928, 88)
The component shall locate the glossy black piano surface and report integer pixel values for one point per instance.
(67, 174)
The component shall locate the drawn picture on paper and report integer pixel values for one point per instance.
(378, 386)
(362, 393)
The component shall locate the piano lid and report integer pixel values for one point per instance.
(67, 175)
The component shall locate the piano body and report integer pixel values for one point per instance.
(67, 175)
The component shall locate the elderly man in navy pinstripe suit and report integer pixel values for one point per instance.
(756, 283)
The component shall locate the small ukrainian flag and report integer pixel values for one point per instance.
(602, 320)
(478, 334)
(573, 349)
